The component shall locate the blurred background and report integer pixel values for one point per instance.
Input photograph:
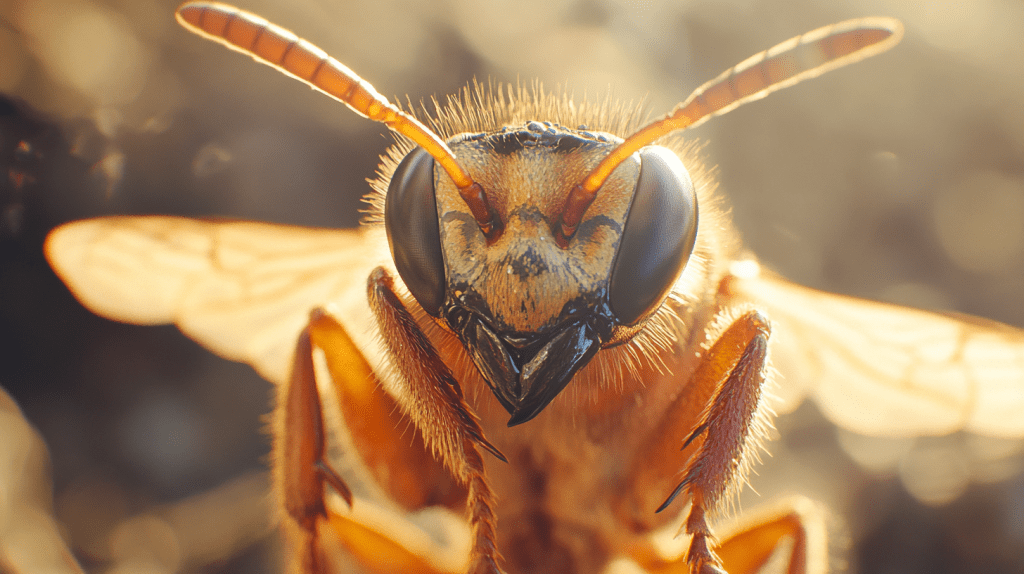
(900, 178)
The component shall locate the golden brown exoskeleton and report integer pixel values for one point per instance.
(563, 315)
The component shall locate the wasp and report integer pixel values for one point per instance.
(545, 350)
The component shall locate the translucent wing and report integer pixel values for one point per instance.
(242, 289)
(882, 369)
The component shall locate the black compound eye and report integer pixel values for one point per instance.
(657, 239)
(410, 218)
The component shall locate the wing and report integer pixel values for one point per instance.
(882, 369)
(242, 289)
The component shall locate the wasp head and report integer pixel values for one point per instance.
(529, 309)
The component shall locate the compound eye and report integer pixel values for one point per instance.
(410, 218)
(657, 239)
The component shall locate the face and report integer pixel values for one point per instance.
(530, 328)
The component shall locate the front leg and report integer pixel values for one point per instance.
(440, 412)
(726, 429)
(717, 419)
(398, 463)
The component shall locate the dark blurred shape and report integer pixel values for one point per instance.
(40, 179)
(89, 384)
(42, 171)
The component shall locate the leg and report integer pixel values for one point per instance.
(717, 421)
(299, 467)
(728, 425)
(387, 445)
(755, 538)
(400, 464)
(439, 411)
